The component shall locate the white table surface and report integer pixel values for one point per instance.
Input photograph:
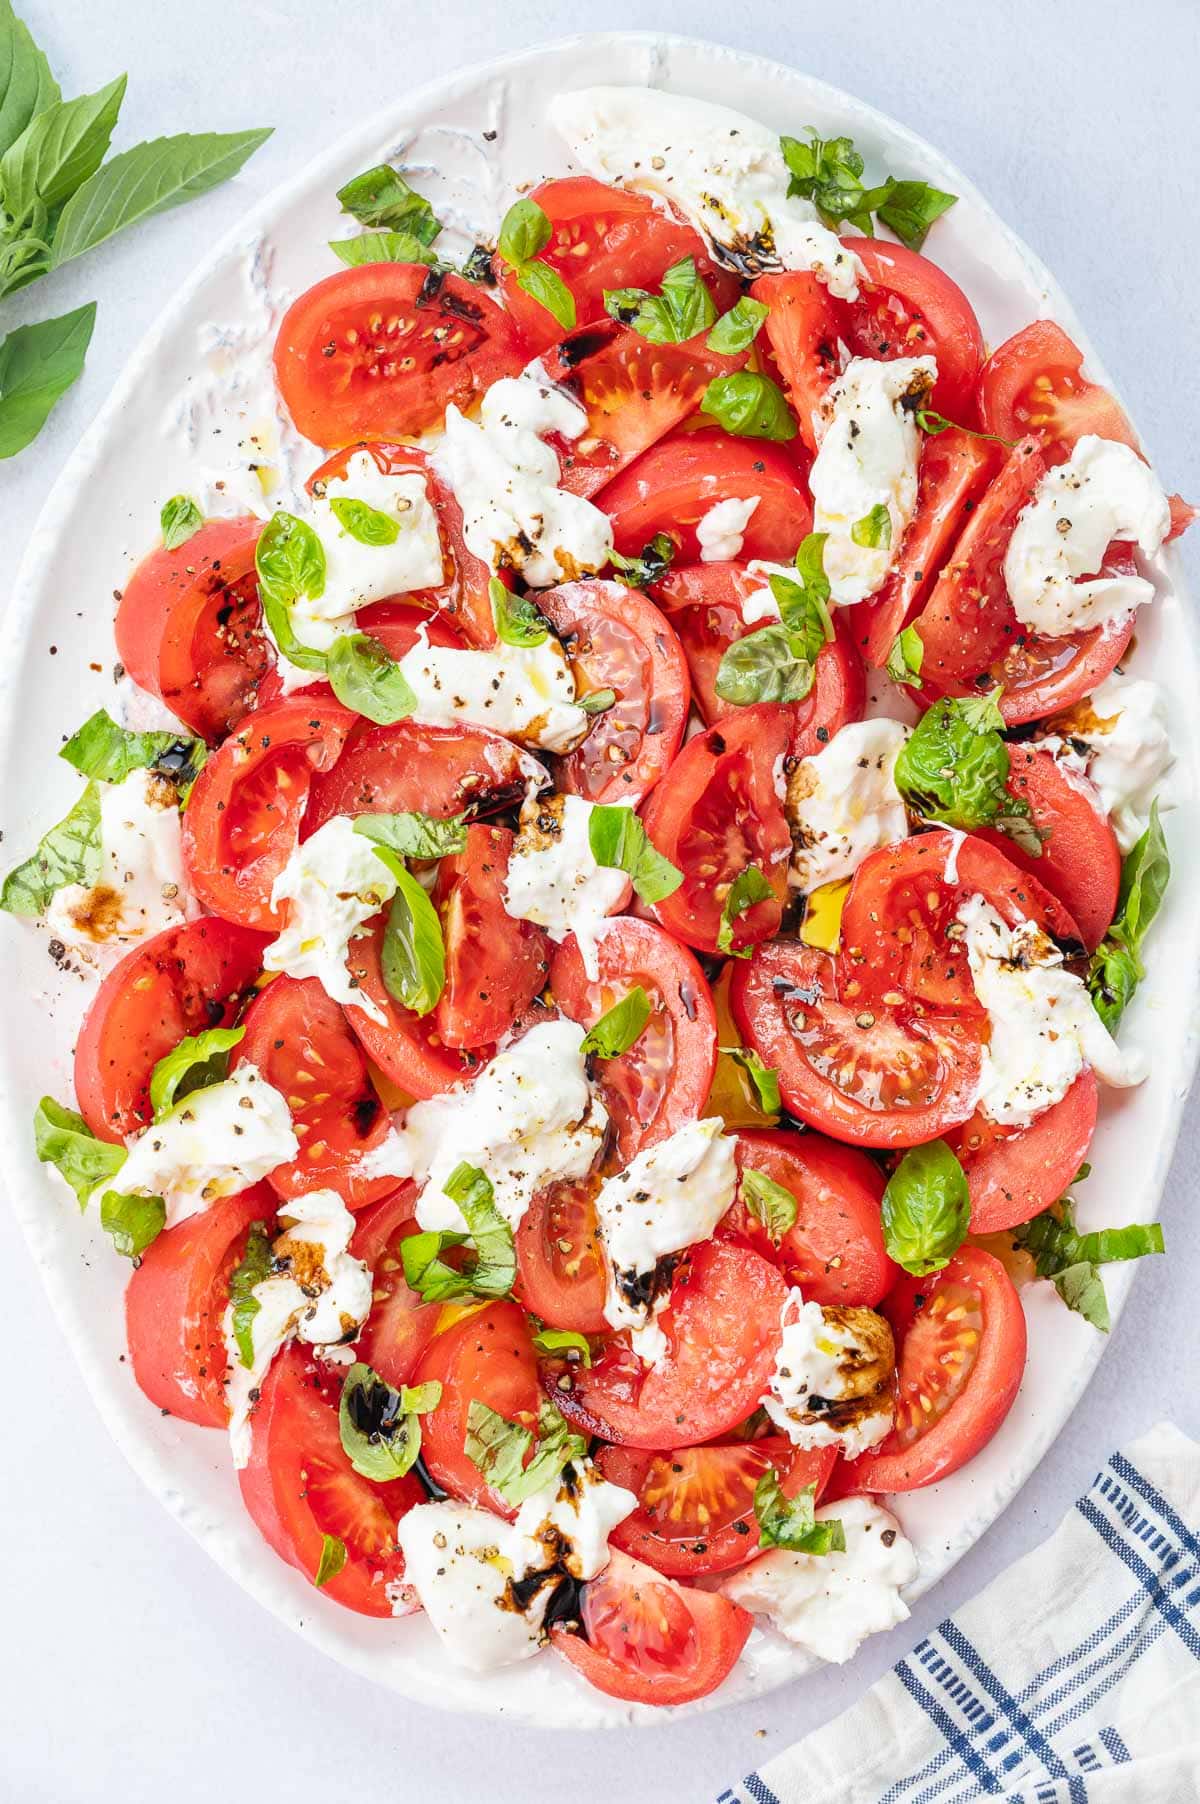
(130, 1668)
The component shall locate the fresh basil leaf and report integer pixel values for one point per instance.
(62, 1138)
(791, 1521)
(749, 405)
(1114, 974)
(333, 1558)
(382, 197)
(810, 568)
(148, 179)
(100, 748)
(954, 766)
(561, 1343)
(655, 560)
(524, 233)
(623, 1024)
(874, 530)
(69, 853)
(415, 835)
(911, 208)
(768, 1202)
(546, 286)
(736, 330)
(828, 171)
(368, 679)
(380, 1427)
(619, 841)
(38, 364)
(518, 621)
(493, 1266)
(906, 657)
(26, 85)
(763, 1078)
(363, 522)
(254, 1267)
(1082, 1289)
(498, 1448)
(682, 309)
(932, 422)
(597, 701)
(1069, 1259)
(747, 888)
(133, 1222)
(57, 152)
(412, 958)
(381, 247)
(926, 1209)
(1116, 968)
(181, 519)
(290, 561)
(768, 665)
(198, 1061)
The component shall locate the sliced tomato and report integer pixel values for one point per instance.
(562, 1274)
(433, 770)
(397, 625)
(802, 330)
(696, 1504)
(722, 1329)
(884, 1076)
(1043, 676)
(648, 1640)
(909, 307)
(243, 815)
(189, 626)
(834, 1249)
(673, 486)
(180, 982)
(381, 351)
(603, 238)
(408, 1048)
(615, 638)
(175, 1306)
(704, 605)
(400, 1326)
(485, 1357)
(1013, 1173)
(298, 1038)
(495, 965)
(662, 1081)
(718, 810)
(1034, 384)
(300, 1488)
(961, 1352)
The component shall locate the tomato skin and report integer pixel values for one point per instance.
(834, 1251)
(1033, 383)
(662, 1081)
(790, 1006)
(175, 1306)
(722, 1328)
(717, 811)
(616, 638)
(434, 770)
(400, 1326)
(695, 1637)
(909, 307)
(243, 815)
(487, 1357)
(671, 487)
(988, 1393)
(407, 1047)
(183, 980)
(561, 1270)
(341, 349)
(495, 965)
(1015, 1173)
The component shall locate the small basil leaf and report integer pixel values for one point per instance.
(932, 422)
(524, 233)
(655, 560)
(180, 520)
(69, 853)
(381, 247)
(767, 665)
(764, 1080)
(380, 1427)
(749, 405)
(498, 1448)
(954, 766)
(874, 530)
(368, 679)
(597, 701)
(333, 1558)
(562, 1343)
(100, 748)
(198, 1061)
(736, 330)
(133, 1222)
(620, 842)
(791, 1521)
(804, 608)
(926, 1209)
(413, 955)
(254, 1267)
(363, 522)
(415, 835)
(493, 1267)
(679, 312)
(617, 1030)
(545, 286)
(290, 561)
(1116, 968)
(768, 1202)
(911, 208)
(518, 621)
(748, 888)
(62, 1138)
(906, 657)
(381, 197)
(38, 364)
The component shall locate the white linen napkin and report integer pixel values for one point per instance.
(1074, 1678)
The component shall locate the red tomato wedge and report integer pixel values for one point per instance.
(1034, 383)
(1015, 1173)
(495, 965)
(189, 627)
(615, 638)
(722, 1329)
(663, 1079)
(175, 1307)
(243, 815)
(432, 770)
(960, 1336)
(646, 1639)
(180, 982)
(300, 1487)
(908, 307)
(562, 1274)
(382, 350)
(696, 1504)
(408, 1048)
(802, 331)
(878, 1076)
(673, 486)
(400, 1326)
(487, 1357)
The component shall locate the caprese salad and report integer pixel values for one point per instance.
(581, 1087)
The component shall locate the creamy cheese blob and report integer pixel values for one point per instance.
(869, 449)
(759, 607)
(526, 692)
(333, 884)
(505, 479)
(842, 803)
(363, 562)
(1103, 492)
(317, 1293)
(831, 1386)
(528, 1118)
(141, 887)
(829, 1603)
(719, 531)
(725, 173)
(1120, 738)
(553, 878)
(672, 1195)
(214, 1143)
(1044, 1028)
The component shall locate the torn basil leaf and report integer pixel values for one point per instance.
(381, 197)
(682, 309)
(498, 1448)
(1070, 1259)
(736, 330)
(623, 1024)
(492, 1265)
(180, 519)
(381, 247)
(954, 766)
(764, 1080)
(100, 748)
(906, 657)
(412, 835)
(1116, 967)
(69, 853)
(132, 1222)
(518, 621)
(874, 530)
(253, 1268)
(412, 958)
(926, 1209)
(620, 842)
(62, 1138)
(365, 677)
(597, 701)
(380, 1427)
(770, 1203)
(749, 405)
(748, 888)
(333, 1558)
(655, 560)
(562, 1343)
(198, 1061)
(768, 665)
(791, 1522)
(290, 560)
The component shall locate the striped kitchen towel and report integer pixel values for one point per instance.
(1073, 1679)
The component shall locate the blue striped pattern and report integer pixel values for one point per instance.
(1033, 1745)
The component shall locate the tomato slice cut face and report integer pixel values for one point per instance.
(495, 965)
(400, 1326)
(381, 351)
(1015, 1173)
(875, 1076)
(673, 486)
(562, 1275)
(1034, 383)
(487, 1357)
(429, 770)
(722, 1329)
(408, 1048)
(961, 1341)
(908, 307)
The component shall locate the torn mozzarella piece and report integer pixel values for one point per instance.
(831, 1386)
(1120, 738)
(842, 803)
(525, 692)
(333, 884)
(359, 571)
(141, 887)
(554, 880)
(719, 531)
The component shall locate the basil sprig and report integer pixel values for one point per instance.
(650, 567)
(380, 1427)
(619, 841)
(770, 1203)
(954, 766)
(777, 663)
(1116, 968)
(748, 404)
(926, 1209)
(747, 888)
(828, 171)
(618, 1029)
(682, 309)
(252, 1269)
(100, 748)
(791, 1522)
(198, 1061)
(525, 231)
(1070, 1259)
(498, 1448)
(493, 1266)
